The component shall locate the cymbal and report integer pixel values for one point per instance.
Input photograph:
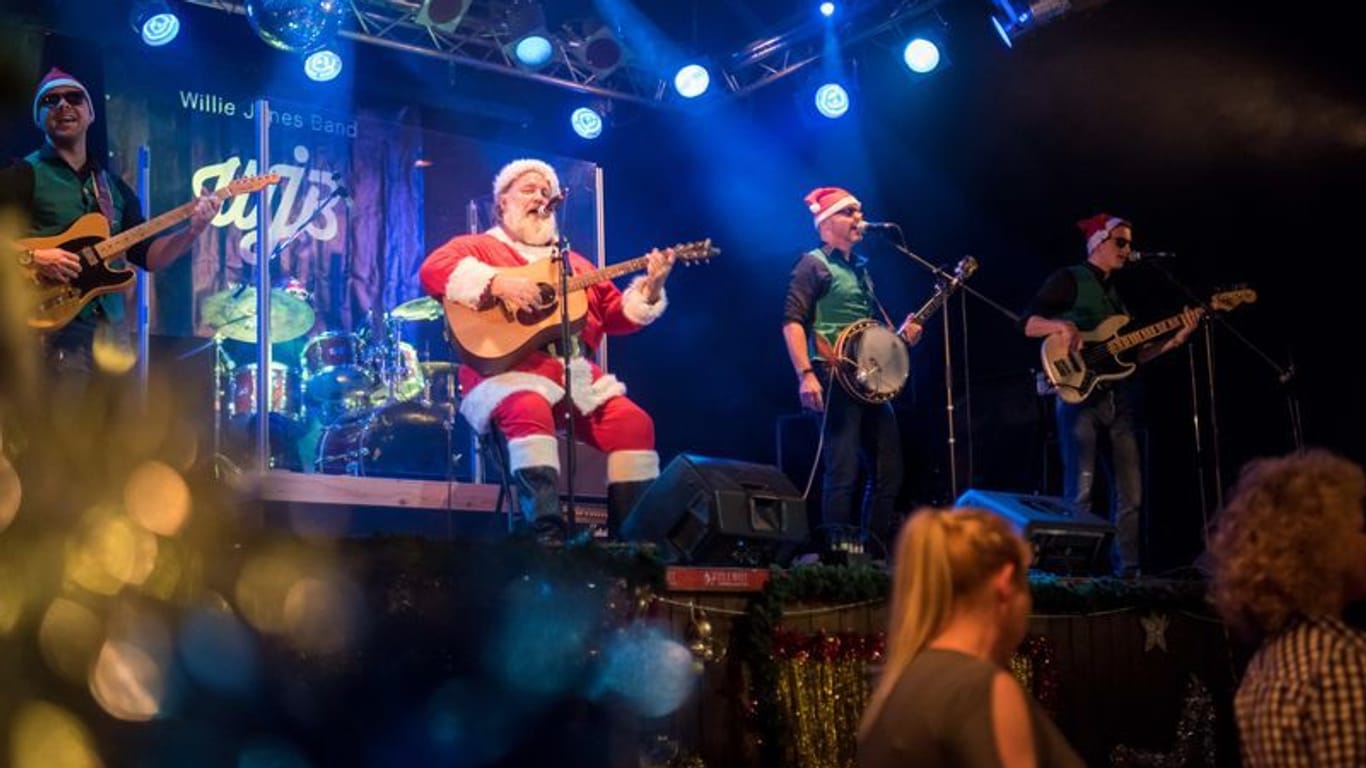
(233, 314)
(425, 308)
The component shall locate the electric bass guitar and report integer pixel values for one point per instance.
(1075, 374)
(88, 238)
(493, 339)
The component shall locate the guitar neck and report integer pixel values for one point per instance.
(936, 301)
(578, 282)
(1144, 334)
(128, 238)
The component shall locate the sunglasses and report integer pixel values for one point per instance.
(1122, 242)
(74, 98)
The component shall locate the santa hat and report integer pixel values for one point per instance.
(516, 168)
(53, 79)
(1098, 228)
(824, 202)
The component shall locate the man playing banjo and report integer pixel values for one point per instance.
(828, 296)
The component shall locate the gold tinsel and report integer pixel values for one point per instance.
(823, 702)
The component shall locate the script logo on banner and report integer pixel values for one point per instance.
(300, 191)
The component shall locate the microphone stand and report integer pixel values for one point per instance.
(1284, 375)
(941, 275)
(566, 357)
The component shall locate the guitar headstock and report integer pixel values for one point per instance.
(695, 251)
(1226, 300)
(248, 184)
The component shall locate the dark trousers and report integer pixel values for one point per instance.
(1108, 412)
(857, 433)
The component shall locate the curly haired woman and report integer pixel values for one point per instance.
(1290, 554)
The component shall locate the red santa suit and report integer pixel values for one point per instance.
(519, 400)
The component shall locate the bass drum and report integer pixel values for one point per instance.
(403, 439)
(872, 362)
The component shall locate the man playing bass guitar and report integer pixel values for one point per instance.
(828, 292)
(1074, 300)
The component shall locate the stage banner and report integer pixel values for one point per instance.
(364, 195)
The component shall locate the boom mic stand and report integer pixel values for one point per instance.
(945, 277)
(566, 357)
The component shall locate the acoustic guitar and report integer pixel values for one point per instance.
(493, 339)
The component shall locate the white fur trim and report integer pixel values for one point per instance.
(477, 406)
(516, 168)
(1099, 236)
(529, 253)
(588, 395)
(836, 207)
(631, 466)
(636, 308)
(468, 281)
(534, 451)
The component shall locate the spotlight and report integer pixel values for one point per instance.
(531, 45)
(692, 81)
(444, 15)
(921, 55)
(1015, 18)
(827, 9)
(534, 51)
(832, 100)
(155, 22)
(587, 123)
(322, 66)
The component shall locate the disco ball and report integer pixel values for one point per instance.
(297, 26)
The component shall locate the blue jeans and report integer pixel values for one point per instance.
(1109, 411)
(859, 433)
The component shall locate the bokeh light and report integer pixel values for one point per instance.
(157, 497)
(11, 491)
(44, 735)
(652, 672)
(110, 552)
(127, 682)
(322, 615)
(218, 650)
(69, 638)
(542, 641)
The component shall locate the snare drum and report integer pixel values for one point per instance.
(241, 391)
(405, 439)
(443, 384)
(332, 369)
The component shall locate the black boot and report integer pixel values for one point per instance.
(621, 499)
(538, 498)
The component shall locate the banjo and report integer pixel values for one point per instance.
(870, 360)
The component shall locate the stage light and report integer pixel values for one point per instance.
(827, 9)
(534, 51)
(322, 66)
(921, 55)
(587, 123)
(155, 22)
(1016, 18)
(692, 81)
(444, 15)
(832, 100)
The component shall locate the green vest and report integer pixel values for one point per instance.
(844, 303)
(60, 196)
(1095, 301)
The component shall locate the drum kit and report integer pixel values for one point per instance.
(374, 403)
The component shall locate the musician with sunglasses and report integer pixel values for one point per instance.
(1074, 300)
(828, 291)
(60, 182)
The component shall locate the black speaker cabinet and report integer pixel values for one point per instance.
(1064, 541)
(720, 512)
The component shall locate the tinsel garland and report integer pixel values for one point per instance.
(1195, 738)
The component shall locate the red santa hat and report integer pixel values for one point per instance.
(1098, 228)
(53, 79)
(824, 202)
(516, 168)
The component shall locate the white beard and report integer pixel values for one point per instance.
(529, 228)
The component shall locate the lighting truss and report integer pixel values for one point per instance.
(481, 41)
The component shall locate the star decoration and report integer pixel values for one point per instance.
(1154, 631)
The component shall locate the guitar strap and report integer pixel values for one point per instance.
(110, 305)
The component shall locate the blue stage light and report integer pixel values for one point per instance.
(921, 55)
(692, 81)
(323, 65)
(832, 100)
(827, 9)
(155, 22)
(586, 122)
(534, 50)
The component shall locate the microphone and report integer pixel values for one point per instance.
(1146, 255)
(549, 206)
(864, 226)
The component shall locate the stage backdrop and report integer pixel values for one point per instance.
(409, 189)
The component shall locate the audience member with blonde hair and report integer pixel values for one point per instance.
(960, 606)
(1289, 555)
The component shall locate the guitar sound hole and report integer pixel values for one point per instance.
(545, 306)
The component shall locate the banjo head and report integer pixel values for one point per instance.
(874, 363)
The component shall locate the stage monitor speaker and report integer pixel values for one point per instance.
(720, 512)
(1064, 541)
